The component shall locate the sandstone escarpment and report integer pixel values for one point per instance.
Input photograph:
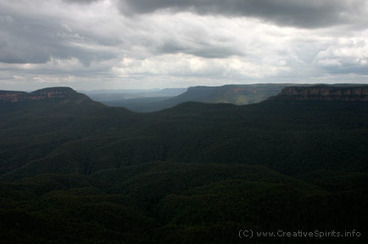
(324, 93)
(56, 93)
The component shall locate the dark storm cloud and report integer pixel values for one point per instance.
(307, 14)
(204, 50)
(30, 39)
(81, 1)
(84, 42)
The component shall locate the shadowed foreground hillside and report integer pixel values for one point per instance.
(76, 171)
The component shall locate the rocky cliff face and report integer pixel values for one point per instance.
(324, 93)
(56, 93)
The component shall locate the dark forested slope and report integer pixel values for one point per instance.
(74, 170)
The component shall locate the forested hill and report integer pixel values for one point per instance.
(74, 170)
(78, 132)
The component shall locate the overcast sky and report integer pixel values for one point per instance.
(124, 44)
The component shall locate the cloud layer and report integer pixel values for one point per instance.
(309, 14)
(93, 44)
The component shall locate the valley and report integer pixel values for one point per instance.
(75, 169)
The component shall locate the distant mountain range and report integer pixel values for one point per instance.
(116, 96)
(150, 102)
(234, 94)
(73, 170)
(63, 113)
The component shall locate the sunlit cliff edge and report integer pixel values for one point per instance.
(324, 93)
